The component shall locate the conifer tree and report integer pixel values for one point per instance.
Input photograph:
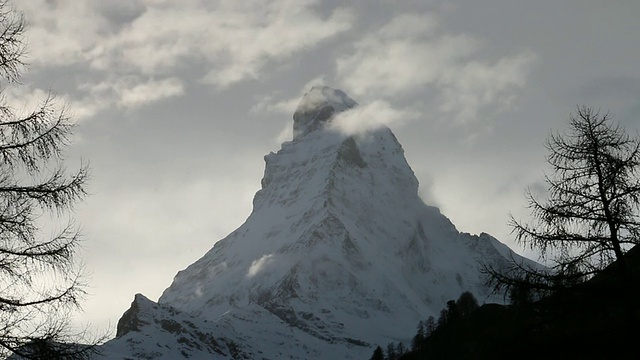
(430, 326)
(392, 354)
(443, 319)
(378, 354)
(591, 215)
(418, 339)
(466, 304)
(40, 281)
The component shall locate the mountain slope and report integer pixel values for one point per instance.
(339, 252)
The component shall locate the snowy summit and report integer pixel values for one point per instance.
(317, 107)
(339, 255)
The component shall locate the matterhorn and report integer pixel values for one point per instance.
(338, 256)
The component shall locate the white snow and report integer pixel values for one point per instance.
(339, 254)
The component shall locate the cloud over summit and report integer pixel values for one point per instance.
(411, 52)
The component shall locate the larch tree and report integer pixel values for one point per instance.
(590, 217)
(40, 279)
(378, 354)
(466, 304)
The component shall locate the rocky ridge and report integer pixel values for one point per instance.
(338, 255)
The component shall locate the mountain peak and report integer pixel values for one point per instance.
(317, 106)
(338, 254)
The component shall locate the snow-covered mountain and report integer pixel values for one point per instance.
(338, 255)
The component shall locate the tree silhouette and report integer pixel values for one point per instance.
(443, 319)
(466, 304)
(418, 339)
(377, 354)
(589, 219)
(392, 354)
(430, 326)
(452, 310)
(40, 281)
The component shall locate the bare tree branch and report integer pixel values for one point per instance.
(40, 279)
(590, 217)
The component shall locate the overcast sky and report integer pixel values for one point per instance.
(179, 100)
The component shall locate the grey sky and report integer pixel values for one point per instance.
(179, 100)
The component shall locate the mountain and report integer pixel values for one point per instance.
(338, 255)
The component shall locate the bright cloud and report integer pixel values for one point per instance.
(371, 116)
(150, 91)
(258, 265)
(411, 52)
(285, 106)
(26, 99)
(269, 104)
(236, 39)
(124, 92)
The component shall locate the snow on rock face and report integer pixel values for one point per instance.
(159, 332)
(318, 106)
(338, 255)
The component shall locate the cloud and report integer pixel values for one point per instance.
(286, 134)
(289, 28)
(362, 118)
(149, 91)
(412, 52)
(60, 33)
(272, 104)
(26, 99)
(124, 93)
(235, 39)
(269, 104)
(284, 106)
(120, 12)
(359, 120)
(371, 116)
(141, 47)
(258, 265)
(475, 85)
